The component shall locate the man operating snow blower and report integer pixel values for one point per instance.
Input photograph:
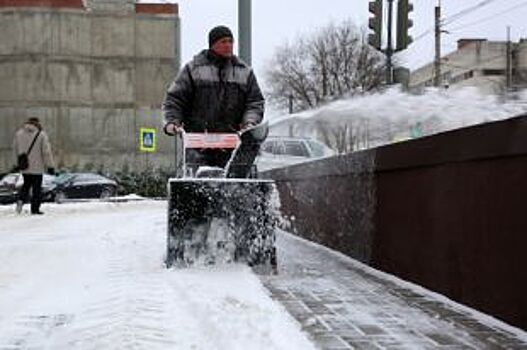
(215, 105)
(215, 92)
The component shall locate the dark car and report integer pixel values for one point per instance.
(83, 185)
(7, 195)
(11, 183)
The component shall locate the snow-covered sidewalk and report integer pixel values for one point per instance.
(91, 276)
(345, 304)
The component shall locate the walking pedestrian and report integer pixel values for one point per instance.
(34, 157)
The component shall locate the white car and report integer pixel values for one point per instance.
(277, 151)
(12, 183)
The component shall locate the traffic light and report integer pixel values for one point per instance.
(375, 24)
(404, 23)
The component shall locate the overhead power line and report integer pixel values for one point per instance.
(466, 11)
(490, 17)
(424, 34)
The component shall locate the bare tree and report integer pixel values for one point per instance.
(341, 138)
(344, 137)
(334, 62)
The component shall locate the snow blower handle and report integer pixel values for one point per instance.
(242, 159)
(200, 141)
(180, 154)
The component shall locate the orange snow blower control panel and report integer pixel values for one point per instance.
(212, 140)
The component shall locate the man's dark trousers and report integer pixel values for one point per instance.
(33, 182)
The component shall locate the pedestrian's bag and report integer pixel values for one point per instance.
(23, 161)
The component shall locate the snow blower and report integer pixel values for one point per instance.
(221, 215)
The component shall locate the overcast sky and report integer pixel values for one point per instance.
(277, 21)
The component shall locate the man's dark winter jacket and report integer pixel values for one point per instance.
(214, 94)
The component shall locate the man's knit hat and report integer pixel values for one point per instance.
(218, 33)
(33, 120)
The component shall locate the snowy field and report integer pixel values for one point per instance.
(90, 276)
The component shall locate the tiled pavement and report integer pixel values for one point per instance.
(343, 304)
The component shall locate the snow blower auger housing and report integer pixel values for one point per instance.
(225, 216)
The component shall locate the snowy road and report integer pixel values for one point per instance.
(90, 276)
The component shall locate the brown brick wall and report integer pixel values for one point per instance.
(42, 3)
(157, 8)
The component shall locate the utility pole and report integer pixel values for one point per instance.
(437, 61)
(244, 30)
(389, 47)
(509, 60)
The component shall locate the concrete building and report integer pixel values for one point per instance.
(95, 72)
(479, 63)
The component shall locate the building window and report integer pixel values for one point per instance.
(468, 75)
(493, 72)
(461, 77)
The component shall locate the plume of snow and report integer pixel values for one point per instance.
(390, 115)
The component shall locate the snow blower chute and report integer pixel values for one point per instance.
(220, 215)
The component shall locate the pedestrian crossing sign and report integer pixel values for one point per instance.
(147, 140)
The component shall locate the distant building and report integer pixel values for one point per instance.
(479, 63)
(95, 72)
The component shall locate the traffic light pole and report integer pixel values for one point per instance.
(404, 23)
(389, 47)
(244, 30)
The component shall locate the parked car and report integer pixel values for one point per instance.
(279, 151)
(83, 185)
(11, 184)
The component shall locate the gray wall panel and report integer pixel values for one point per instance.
(9, 28)
(113, 82)
(149, 75)
(154, 38)
(10, 86)
(74, 34)
(112, 35)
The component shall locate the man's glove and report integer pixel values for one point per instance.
(51, 171)
(172, 128)
(247, 125)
